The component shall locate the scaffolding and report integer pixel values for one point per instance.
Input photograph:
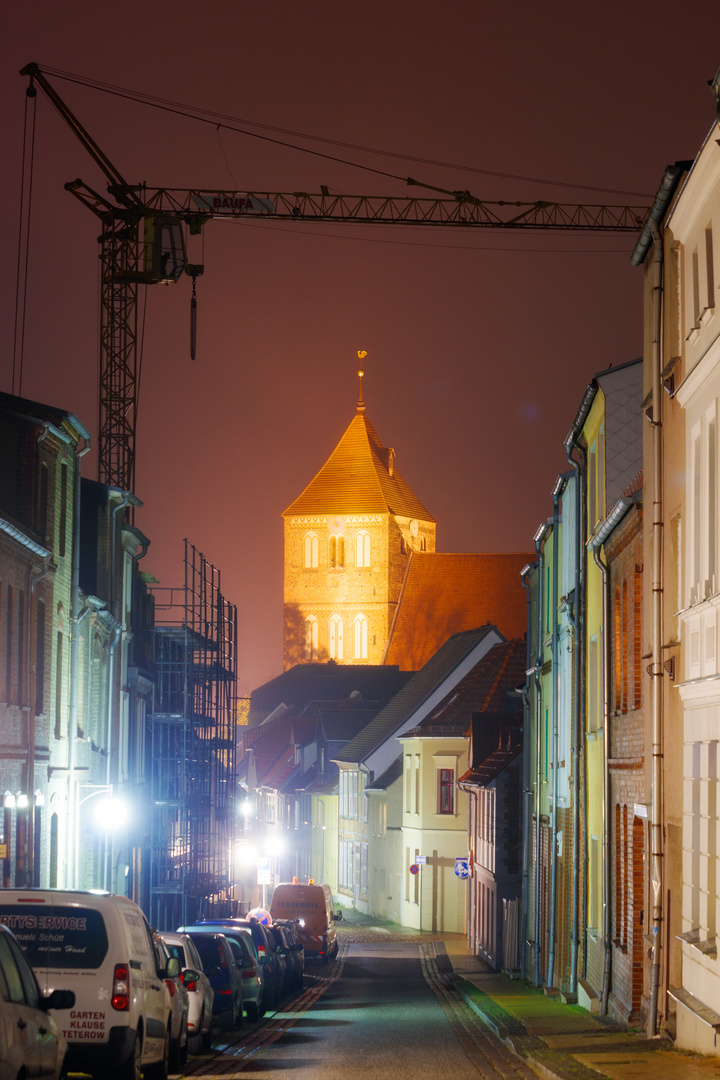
(192, 734)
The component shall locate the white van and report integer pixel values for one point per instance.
(100, 947)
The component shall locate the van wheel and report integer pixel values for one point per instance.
(159, 1071)
(252, 1010)
(227, 1020)
(130, 1070)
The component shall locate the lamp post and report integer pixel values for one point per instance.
(21, 803)
(110, 814)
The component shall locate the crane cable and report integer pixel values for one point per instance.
(216, 119)
(23, 245)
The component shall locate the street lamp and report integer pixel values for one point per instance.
(110, 814)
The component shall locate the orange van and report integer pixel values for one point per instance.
(312, 906)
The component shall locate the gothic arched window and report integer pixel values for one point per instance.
(311, 551)
(360, 637)
(335, 637)
(311, 638)
(362, 557)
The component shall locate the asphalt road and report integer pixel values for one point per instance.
(381, 1011)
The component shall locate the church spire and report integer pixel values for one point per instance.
(361, 403)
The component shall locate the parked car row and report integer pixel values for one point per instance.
(86, 985)
(269, 962)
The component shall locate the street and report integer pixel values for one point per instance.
(382, 1009)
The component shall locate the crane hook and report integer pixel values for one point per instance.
(195, 270)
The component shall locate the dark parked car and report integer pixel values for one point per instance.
(225, 978)
(295, 957)
(273, 972)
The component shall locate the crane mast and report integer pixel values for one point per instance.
(142, 243)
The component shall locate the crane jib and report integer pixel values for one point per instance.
(239, 202)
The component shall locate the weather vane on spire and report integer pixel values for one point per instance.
(361, 404)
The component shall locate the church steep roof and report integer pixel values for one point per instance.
(359, 477)
(446, 594)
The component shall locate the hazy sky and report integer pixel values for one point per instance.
(479, 344)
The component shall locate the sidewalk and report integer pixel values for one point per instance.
(558, 1041)
(564, 1042)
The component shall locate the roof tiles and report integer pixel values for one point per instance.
(357, 479)
(445, 594)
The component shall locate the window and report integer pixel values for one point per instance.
(311, 638)
(446, 802)
(63, 509)
(336, 552)
(709, 270)
(42, 501)
(58, 685)
(703, 539)
(362, 548)
(21, 657)
(310, 544)
(335, 637)
(9, 637)
(695, 288)
(360, 637)
(39, 658)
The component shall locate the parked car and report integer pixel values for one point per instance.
(200, 992)
(179, 1003)
(295, 952)
(31, 1043)
(253, 975)
(100, 947)
(267, 954)
(219, 965)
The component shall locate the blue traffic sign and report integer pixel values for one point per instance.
(462, 868)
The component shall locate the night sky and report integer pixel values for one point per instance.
(479, 344)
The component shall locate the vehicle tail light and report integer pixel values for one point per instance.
(249, 973)
(223, 991)
(121, 988)
(170, 983)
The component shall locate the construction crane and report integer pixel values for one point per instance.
(143, 243)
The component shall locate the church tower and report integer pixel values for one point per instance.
(348, 540)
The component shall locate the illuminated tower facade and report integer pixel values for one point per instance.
(348, 540)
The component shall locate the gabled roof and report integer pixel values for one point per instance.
(415, 692)
(273, 745)
(393, 773)
(495, 742)
(304, 683)
(445, 594)
(483, 689)
(359, 477)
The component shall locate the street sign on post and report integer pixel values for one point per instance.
(462, 867)
(414, 869)
(421, 860)
(263, 871)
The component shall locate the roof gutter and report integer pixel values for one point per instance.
(667, 189)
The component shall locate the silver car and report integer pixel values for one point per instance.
(197, 984)
(179, 1008)
(31, 1044)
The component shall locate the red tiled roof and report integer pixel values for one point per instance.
(356, 479)
(445, 594)
(482, 690)
(273, 743)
